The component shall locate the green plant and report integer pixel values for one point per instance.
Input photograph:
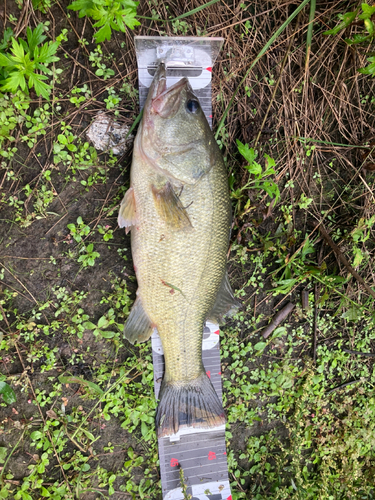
(367, 36)
(9, 396)
(77, 99)
(79, 231)
(257, 177)
(104, 322)
(12, 113)
(88, 255)
(109, 14)
(96, 57)
(106, 232)
(113, 100)
(20, 68)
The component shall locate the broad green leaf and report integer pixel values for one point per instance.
(3, 454)
(107, 334)
(78, 380)
(47, 51)
(103, 34)
(6, 62)
(89, 435)
(358, 38)
(348, 18)
(41, 468)
(7, 37)
(131, 21)
(248, 153)
(35, 37)
(367, 10)
(103, 322)
(18, 51)
(83, 5)
(369, 26)
(353, 313)
(260, 346)
(271, 189)
(63, 140)
(9, 396)
(36, 435)
(144, 429)
(13, 82)
(370, 69)
(88, 325)
(40, 87)
(270, 162)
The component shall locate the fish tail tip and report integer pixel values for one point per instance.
(188, 404)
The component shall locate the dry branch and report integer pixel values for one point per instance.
(279, 318)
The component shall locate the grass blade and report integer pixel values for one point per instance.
(194, 11)
(310, 32)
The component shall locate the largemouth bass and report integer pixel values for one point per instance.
(179, 213)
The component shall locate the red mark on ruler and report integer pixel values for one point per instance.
(211, 455)
(230, 497)
(208, 374)
(209, 69)
(217, 332)
(174, 462)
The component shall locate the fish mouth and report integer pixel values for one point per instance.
(163, 101)
(159, 83)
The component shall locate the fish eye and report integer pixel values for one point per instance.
(192, 105)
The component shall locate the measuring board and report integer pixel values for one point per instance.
(200, 453)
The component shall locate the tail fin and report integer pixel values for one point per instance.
(194, 403)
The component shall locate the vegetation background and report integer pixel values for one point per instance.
(294, 117)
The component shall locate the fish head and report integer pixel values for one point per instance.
(175, 133)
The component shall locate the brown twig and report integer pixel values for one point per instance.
(344, 261)
(343, 385)
(305, 299)
(279, 317)
(358, 353)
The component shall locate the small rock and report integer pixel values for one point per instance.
(106, 134)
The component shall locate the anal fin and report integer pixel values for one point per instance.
(225, 303)
(169, 207)
(127, 213)
(138, 327)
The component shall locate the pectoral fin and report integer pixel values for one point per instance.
(225, 303)
(169, 207)
(138, 327)
(128, 211)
